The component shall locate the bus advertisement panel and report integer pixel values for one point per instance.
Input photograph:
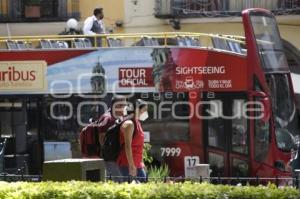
(137, 69)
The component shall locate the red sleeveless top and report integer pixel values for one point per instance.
(136, 146)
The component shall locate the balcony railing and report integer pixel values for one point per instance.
(47, 10)
(221, 8)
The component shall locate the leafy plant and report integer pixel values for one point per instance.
(155, 173)
(158, 174)
(147, 158)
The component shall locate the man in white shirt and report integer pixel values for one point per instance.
(93, 25)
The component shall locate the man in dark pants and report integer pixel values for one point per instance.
(94, 25)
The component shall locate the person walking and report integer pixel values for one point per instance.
(118, 104)
(130, 160)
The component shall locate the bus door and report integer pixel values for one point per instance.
(19, 125)
(226, 134)
(13, 122)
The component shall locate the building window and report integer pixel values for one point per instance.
(49, 8)
(38, 10)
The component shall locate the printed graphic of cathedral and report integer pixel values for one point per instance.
(98, 82)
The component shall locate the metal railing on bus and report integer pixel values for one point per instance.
(183, 39)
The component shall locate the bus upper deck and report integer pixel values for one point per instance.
(234, 44)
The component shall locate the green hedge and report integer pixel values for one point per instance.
(86, 190)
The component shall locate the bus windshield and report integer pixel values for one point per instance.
(275, 66)
(269, 42)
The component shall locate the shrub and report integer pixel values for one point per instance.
(147, 158)
(82, 190)
(158, 173)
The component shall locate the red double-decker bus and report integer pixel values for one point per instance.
(223, 100)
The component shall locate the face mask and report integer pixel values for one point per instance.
(144, 116)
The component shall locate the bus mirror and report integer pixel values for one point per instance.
(258, 94)
(265, 100)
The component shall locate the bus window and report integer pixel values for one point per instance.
(261, 133)
(216, 163)
(284, 111)
(168, 116)
(262, 141)
(10, 116)
(240, 168)
(5, 119)
(239, 129)
(60, 120)
(88, 111)
(284, 139)
(284, 108)
(216, 126)
(269, 43)
(32, 117)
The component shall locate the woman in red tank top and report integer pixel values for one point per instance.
(130, 159)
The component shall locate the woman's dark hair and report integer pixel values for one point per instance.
(136, 104)
(118, 98)
(98, 11)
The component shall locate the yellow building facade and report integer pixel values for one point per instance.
(138, 16)
(113, 9)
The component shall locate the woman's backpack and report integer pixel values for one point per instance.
(112, 146)
(89, 141)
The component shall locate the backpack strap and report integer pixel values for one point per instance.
(134, 128)
(116, 123)
(96, 136)
(82, 142)
(119, 122)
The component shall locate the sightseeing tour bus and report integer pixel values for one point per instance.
(226, 101)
